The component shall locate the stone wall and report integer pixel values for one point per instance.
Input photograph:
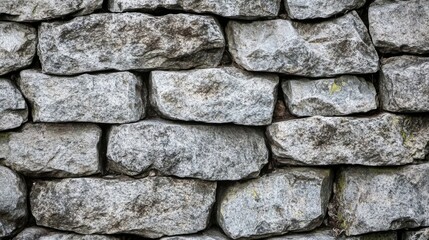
(214, 119)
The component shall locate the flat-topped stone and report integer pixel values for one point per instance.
(224, 8)
(404, 84)
(381, 140)
(333, 47)
(52, 150)
(293, 199)
(118, 97)
(302, 9)
(130, 41)
(400, 26)
(151, 207)
(187, 150)
(214, 95)
(37, 10)
(329, 97)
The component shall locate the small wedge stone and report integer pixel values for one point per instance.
(13, 109)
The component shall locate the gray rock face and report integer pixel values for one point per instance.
(422, 234)
(377, 199)
(215, 95)
(38, 233)
(334, 96)
(404, 84)
(225, 8)
(13, 202)
(293, 199)
(385, 139)
(211, 234)
(327, 234)
(17, 46)
(52, 150)
(36, 10)
(130, 41)
(332, 47)
(400, 26)
(150, 207)
(185, 150)
(302, 9)
(102, 98)
(13, 109)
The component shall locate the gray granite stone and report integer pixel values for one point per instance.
(13, 109)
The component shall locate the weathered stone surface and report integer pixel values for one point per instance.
(13, 202)
(400, 26)
(215, 95)
(13, 109)
(211, 234)
(330, 235)
(404, 84)
(38, 233)
(17, 46)
(225, 8)
(52, 150)
(302, 9)
(130, 41)
(187, 150)
(101, 98)
(385, 139)
(293, 199)
(150, 207)
(334, 96)
(422, 234)
(36, 10)
(333, 47)
(381, 199)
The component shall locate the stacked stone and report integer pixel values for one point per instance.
(126, 119)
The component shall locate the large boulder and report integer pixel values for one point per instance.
(381, 199)
(36, 10)
(214, 95)
(333, 47)
(151, 207)
(225, 8)
(52, 150)
(187, 150)
(293, 199)
(101, 98)
(329, 97)
(385, 139)
(400, 26)
(13, 202)
(130, 41)
(404, 84)
(302, 9)
(17, 46)
(13, 109)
